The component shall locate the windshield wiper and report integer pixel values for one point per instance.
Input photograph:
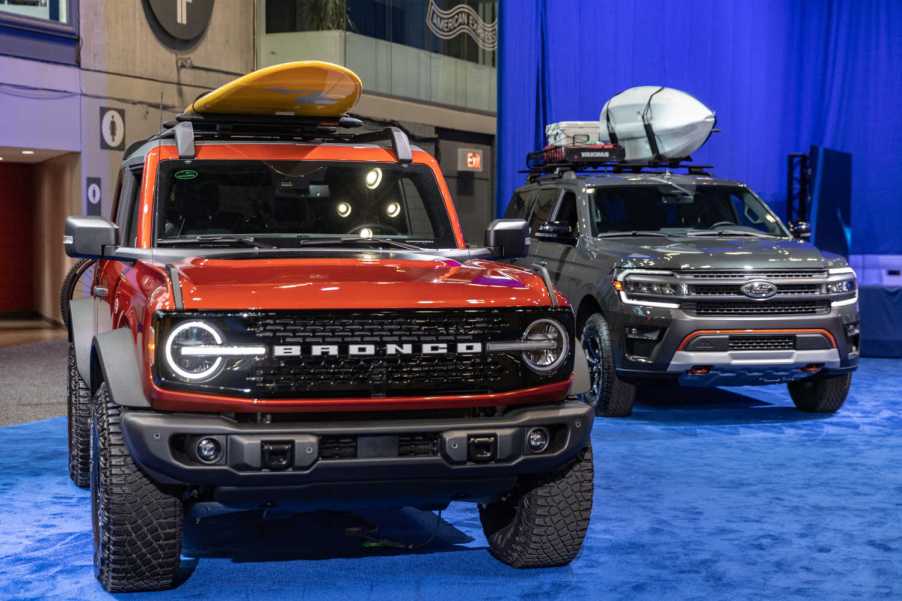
(682, 190)
(729, 232)
(627, 234)
(217, 239)
(357, 240)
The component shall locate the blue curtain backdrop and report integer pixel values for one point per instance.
(781, 75)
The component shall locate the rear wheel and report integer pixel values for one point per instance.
(820, 394)
(137, 523)
(611, 396)
(543, 521)
(79, 410)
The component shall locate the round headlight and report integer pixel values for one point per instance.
(551, 345)
(188, 366)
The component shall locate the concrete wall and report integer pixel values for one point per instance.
(387, 68)
(124, 66)
(56, 195)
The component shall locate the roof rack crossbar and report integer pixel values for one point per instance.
(399, 141)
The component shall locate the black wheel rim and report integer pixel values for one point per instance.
(592, 348)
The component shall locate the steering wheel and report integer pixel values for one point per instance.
(720, 223)
(377, 228)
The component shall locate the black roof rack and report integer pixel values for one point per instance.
(188, 127)
(601, 158)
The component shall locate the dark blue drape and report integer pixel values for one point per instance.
(781, 75)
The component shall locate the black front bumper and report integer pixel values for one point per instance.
(665, 358)
(435, 460)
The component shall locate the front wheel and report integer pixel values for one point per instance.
(820, 394)
(79, 425)
(543, 521)
(137, 523)
(611, 396)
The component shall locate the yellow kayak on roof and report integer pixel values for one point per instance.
(300, 88)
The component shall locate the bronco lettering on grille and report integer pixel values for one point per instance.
(334, 350)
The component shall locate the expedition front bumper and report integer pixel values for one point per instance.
(725, 350)
(442, 458)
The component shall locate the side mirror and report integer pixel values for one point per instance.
(508, 238)
(556, 231)
(800, 230)
(86, 237)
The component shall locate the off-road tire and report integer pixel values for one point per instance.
(543, 521)
(79, 425)
(611, 396)
(68, 287)
(137, 523)
(820, 394)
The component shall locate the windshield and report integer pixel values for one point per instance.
(287, 202)
(729, 210)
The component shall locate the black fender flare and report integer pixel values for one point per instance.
(114, 360)
(581, 382)
(81, 333)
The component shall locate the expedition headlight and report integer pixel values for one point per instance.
(843, 283)
(634, 286)
(841, 286)
(195, 352)
(547, 345)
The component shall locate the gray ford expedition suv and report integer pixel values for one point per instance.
(691, 280)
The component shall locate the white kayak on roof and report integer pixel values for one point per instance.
(656, 123)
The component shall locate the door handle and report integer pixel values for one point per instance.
(101, 291)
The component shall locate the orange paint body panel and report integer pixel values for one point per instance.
(360, 281)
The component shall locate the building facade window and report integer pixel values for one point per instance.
(45, 30)
(54, 11)
(463, 29)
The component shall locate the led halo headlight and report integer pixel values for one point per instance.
(552, 342)
(187, 367)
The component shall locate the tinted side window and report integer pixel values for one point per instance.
(518, 207)
(566, 213)
(131, 227)
(544, 205)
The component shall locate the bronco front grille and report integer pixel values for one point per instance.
(759, 308)
(377, 373)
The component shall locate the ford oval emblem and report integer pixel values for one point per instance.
(759, 289)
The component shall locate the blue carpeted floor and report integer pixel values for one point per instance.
(729, 495)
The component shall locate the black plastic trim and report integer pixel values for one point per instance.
(120, 367)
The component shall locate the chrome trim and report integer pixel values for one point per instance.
(846, 302)
(520, 345)
(685, 360)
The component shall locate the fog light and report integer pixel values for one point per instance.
(208, 450)
(537, 440)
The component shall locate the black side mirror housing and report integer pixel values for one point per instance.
(87, 237)
(556, 231)
(800, 230)
(508, 238)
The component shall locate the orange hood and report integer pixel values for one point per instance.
(371, 282)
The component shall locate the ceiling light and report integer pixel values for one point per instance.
(343, 209)
(28, 152)
(393, 209)
(373, 178)
(366, 233)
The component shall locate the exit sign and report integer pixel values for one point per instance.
(469, 159)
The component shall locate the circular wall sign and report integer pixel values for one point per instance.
(178, 24)
(112, 128)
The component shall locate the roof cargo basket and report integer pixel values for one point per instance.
(186, 128)
(555, 160)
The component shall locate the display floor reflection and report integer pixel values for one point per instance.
(703, 495)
